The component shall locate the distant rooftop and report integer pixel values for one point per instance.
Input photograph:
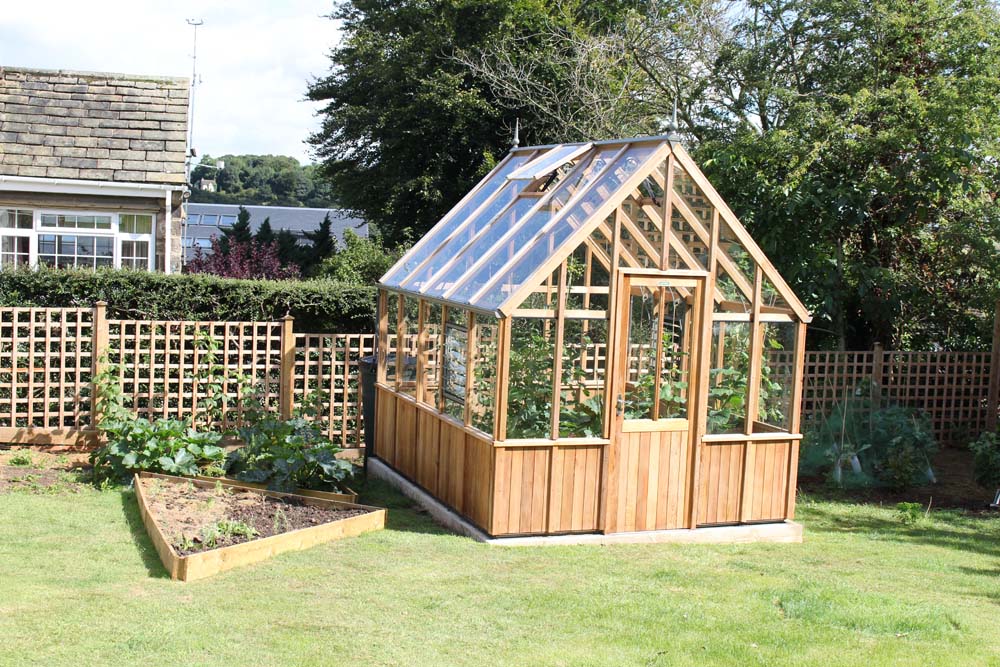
(293, 218)
(93, 125)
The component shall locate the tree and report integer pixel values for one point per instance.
(323, 243)
(407, 129)
(240, 232)
(244, 259)
(857, 141)
(264, 180)
(362, 261)
(289, 251)
(265, 235)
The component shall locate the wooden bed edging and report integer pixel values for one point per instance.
(207, 563)
(351, 497)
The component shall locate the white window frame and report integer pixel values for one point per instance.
(114, 233)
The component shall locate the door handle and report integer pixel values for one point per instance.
(620, 405)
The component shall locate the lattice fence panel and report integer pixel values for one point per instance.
(45, 368)
(164, 366)
(327, 365)
(951, 387)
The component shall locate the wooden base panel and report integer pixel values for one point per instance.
(208, 563)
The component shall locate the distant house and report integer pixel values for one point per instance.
(207, 220)
(206, 184)
(91, 169)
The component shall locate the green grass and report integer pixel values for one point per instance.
(80, 584)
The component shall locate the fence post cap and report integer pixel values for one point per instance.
(286, 318)
(101, 303)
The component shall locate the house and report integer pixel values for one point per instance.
(91, 169)
(206, 185)
(207, 220)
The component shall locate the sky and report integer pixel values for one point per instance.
(255, 58)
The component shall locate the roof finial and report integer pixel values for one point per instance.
(673, 134)
(517, 139)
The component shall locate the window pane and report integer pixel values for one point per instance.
(408, 381)
(15, 219)
(777, 374)
(49, 220)
(105, 246)
(455, 369)
(47, 244)
(484, 373)
(641, 354)
(435, 239)
(194, 219)
(136, 224)
(529, 400)
(14, 251)
(392, 344)
(66, 245)
(727, 390)
(431, 351)
(584, 368)
(227, 221)
(209, 219)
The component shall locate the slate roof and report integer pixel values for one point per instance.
(295, 219)
(93, 125)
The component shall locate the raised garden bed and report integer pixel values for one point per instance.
(202, 527)
(349, 497)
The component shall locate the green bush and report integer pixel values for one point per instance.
(289, 454)
(986, 453)
(320, 306)
(861, 443)
(167, 446)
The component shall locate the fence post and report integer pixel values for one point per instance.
(878, 373)
(994, 392)
(286, 397)
(98, 348)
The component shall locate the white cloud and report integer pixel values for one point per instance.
(255, 58)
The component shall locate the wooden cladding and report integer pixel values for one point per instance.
(653, 470)
(744, 482)
(443, 457)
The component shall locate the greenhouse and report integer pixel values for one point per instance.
(590, 341)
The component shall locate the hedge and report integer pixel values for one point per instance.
(318, 306)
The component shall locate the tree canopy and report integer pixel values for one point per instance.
(407, 128)
(265, 180)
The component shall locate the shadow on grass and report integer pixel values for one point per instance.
(151, 559)
(946, 529)
(404, 514)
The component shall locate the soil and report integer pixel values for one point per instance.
(956, 488)
(46, 472)
(189, 515)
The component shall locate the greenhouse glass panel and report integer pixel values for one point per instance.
(530, 390)
(550, 161)
(454, 373)
(408, 362)
(525, 262)
(728, 378)
(430, 349)
(392, 336)
(484, 373)
(492, 250)
(777, 375)
(492, 184)
(584, 370)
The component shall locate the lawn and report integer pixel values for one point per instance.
(80, 584)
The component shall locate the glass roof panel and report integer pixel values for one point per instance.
(484, 221)
(436, 237)
(550, 161)
(518, 262)
(488, 258)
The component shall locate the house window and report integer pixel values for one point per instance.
(15, 219)
(14, 251)
(209, 219)
(76, 239)
(135, 224)
(135, 255)
(76, 221)
(75, 250)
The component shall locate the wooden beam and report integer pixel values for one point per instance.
(741, 233)
(558, 352)
(756, 334)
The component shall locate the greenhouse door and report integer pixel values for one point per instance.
(653, 390)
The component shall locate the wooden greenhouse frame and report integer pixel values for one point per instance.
(590, 341)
